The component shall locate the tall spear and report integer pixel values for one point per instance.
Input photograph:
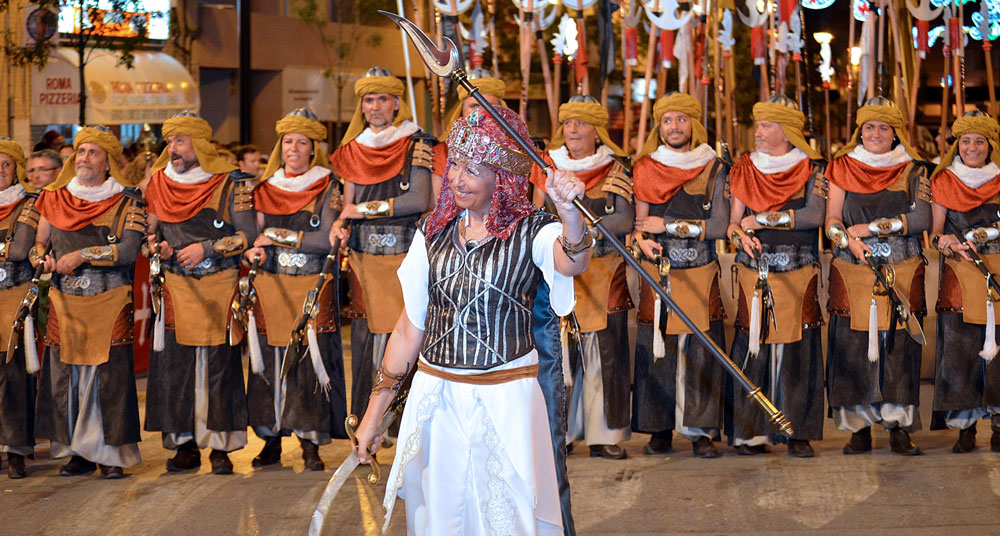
(946, 51)
(725, 41)
(923, 14)
(850, 69)
(880, 59)
(984, 31)
(958, 53)
(826, 73)
(525, 48)
(757, 21)
(444, 63)
(630, 53)
(650, 58)
(543, 56)
(492, 9)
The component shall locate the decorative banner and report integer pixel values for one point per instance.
(860, 9)
(40, 24)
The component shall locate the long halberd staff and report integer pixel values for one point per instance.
(445, 63)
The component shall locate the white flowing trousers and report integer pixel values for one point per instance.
(475, 459)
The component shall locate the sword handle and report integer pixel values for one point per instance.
(351, 424)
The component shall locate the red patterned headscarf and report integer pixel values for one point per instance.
(478, 138)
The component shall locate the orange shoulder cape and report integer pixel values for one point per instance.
(949, 191)
(370, 165)
(590, 178)
(67, 212)
(763, 193)
(270, 199)
(860, 178)
(655, 183)
(174, 202)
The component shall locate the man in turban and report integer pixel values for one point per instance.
(878, 209)
(681, 210)
(599, 403)
(18, 221)
(201, 218)
(94, 223)
(492, 89)
(385, 161)
(777, 204)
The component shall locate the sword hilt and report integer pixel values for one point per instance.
(350, 424)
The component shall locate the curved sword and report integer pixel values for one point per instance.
(343, 473)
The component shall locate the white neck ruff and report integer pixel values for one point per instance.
(973, 177)
(298, 183)
(11, 194)
(891, 158)
(108, 189)
(768, 164)
(194, 175)
(565, 162)
(693, 159)
(390, 134)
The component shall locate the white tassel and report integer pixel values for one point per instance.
(873, 332)
(253, 344)
(30, 346)
(317, 360)
(160, 330)
(754, 346)
(564, 339)
(990, 347)
(659, 345)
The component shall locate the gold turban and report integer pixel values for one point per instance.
(201, 133)
(677, 102)
(487, 86)
(972, 124)
(104, 140)
(375, 84)
(13, 150)
(314, 130)
(791, 121)
(591, 113)
(889, 115)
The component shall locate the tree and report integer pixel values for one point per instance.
(118, 26)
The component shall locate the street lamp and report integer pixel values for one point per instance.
(855, 56)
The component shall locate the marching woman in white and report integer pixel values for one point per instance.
(474, 453)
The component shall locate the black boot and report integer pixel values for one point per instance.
(659, 443)
(76, 466)
(187, 458)
(861, 441)
(800, 448)
(995, 438)
(109, 472)
(900, 443)
(966, 440)
(611, 452)
(270, 454)
(221, 465)
(15, 466)
(704, 448)
(310, 455)
(748, 450)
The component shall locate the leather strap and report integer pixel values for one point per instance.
(487, 378)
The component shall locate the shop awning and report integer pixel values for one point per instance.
(155, 89)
